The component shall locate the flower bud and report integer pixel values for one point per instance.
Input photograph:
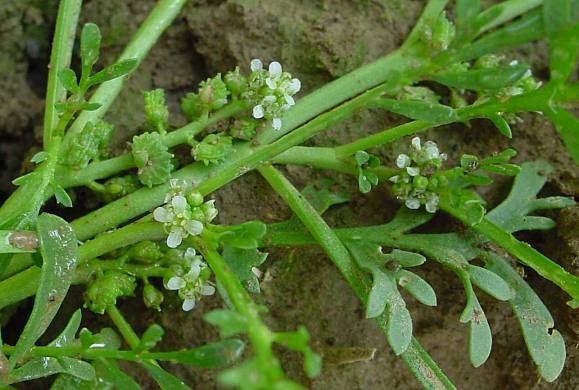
(194, 198)
(152, 297)
(145, 252)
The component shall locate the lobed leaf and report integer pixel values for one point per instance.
(490, 283)
(229, 322)
(47, 366)
(119, 69)
(164, 379)
(215, 355)
(68, 79)
(150, 338)
(153, 159)
(491, 79)
(68, 334)
(90, 43)
(417, 287)
(420, 110)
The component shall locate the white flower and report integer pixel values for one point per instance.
(402, 161)
(416, 143)
(176, 216)
(276, 123)
(294, 86)
(394, 179)
(412, 203)
(413, 171)
(256, 65)
(432, 203)
(275, 69)
(190, 297)
(258, 111)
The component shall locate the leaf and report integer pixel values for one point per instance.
(417, 287)
(91, 106)
(47, 366)
(68, 79)
(89, 144)
(545, 344)
(229, 322)
(420, 110)
(153, 159)
(364, 184)
(564, 49)
(164, 379)
(150, 338)
(215, 355)
(59, 251)
(406, 259)
(361, 157)
(559, 15)
(39, 157)
(299, 341)
(490, 283)
(113, 374)
(325, 193)
(513, 212)
(491, 79)
(90, 43)
(68, 335)
(241, 262)
(501, 124)
(568, 126)
(480, 338)
(244, 236)
(119, 69)
(61, 196)
(466, 12)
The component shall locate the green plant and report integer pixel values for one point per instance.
(176, 245)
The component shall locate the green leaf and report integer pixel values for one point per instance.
(119, 69)
(491, 79)
(490, 283)
(89, 144)
(59, 251)
(564, 49)
(156, 110)
(164, 379)
(325, 193)
(513, 212)
(244, 236)
(420, 110)
(241, 262)
(68, 335)
(91, 106)
(480, 339)
(501, 124)
(417, 287)
(213, 149)
(229, 322)
(299, 341)
(560, 15)
(364, 185)
(107, 288)
(68, 79)
(61, 196)
(406, 259)
(466, 12)
(47, 366)
(90, 43)
(113, 374)
(215, 355)
(502, 169)
(361, 157)
(545, 344)
(39, 157)
(568, 126)
(151, 337)
(153, 159)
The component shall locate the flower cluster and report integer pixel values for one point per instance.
(184, 213)
(271, 91)
(190, 279)
(417, 183)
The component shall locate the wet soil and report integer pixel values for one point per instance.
(317, 40)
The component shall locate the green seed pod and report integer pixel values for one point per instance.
(420, 182)
(145, 252)
(192, 106)
(443, 33)
(213, 93)
(245, 128)
(235, 82)
(215, 148)
(152, 297)
(104, 291)
(156, 110)
(194, 198)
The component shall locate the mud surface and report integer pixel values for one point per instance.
(318, 41)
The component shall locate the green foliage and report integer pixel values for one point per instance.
(214, 149)
(153, 159)
(106, 289)
(483, 79)
(89, 145)
(59, 251)
(90, 44)
(420, 110)
(366, 178)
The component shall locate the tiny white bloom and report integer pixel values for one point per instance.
(416, 143)
(193, 227)
(276, 123)
(413, 171)
(402, 161)
(188, 304)
(176, 283)
(513, 63)
(269, 99)
(162, 215)
(179, 203)
(394, 179)
(431, 150)
(412, 203)
(258, 111)
(256, 271)
(275, 69)
(175, 238)
(207, 289)
(294, 86)
(256, 65)
(432, 204)
(270, 83)
(289, 100)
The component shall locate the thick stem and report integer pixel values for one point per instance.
(123, 326)
(60, 56)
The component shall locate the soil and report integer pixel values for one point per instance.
(317, 40)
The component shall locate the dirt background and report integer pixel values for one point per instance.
(317, 40)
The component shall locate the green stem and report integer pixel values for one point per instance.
(506, 10)
(124, 327)
(525, 253)
(60, 56)
(162, 15)
(259, 334)
(421, 364)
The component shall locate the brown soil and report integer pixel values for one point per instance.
(318, 41)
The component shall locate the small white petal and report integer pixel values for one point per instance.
(394, 179)
(527, 74)
(416, 143)
(402, 161)
(270, 83)
(412, 203)
(256, 271)
(256, 65)
(269, 99)
(432, 204)
(161, 215)
(207, 289)
(176, 283)
(513, 63)
(174, 239)
(190, 253)
(179, 203)
(188, 304)
(276, 123)
(431, 150)
(258, 112)
(413, 171)
(275, 69)
(443, 156)
(193, 274)
(294, 86)
(289, 100)
(194, 227)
